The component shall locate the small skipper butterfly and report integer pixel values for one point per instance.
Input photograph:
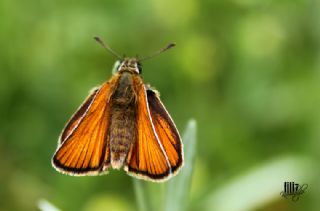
(122, 123)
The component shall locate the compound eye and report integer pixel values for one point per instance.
(139, 68)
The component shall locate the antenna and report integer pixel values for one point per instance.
(170, 45)
(105, 46)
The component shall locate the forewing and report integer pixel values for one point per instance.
(84, 145)
(166, 130)
(147, 157)
(77, 117)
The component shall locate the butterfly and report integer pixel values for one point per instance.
(121, 124)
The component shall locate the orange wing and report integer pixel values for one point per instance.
(148, 157)
(166, 130)
(78, 116)
(83, 146)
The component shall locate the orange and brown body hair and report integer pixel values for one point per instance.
(121, 124)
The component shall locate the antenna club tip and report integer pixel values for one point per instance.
(96, 38)
(100, 41)
(171, 45)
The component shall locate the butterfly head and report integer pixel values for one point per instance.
(132, 65)
(129, 65)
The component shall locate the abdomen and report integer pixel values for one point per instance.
(122, 131)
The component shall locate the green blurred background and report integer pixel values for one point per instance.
(246, 70)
